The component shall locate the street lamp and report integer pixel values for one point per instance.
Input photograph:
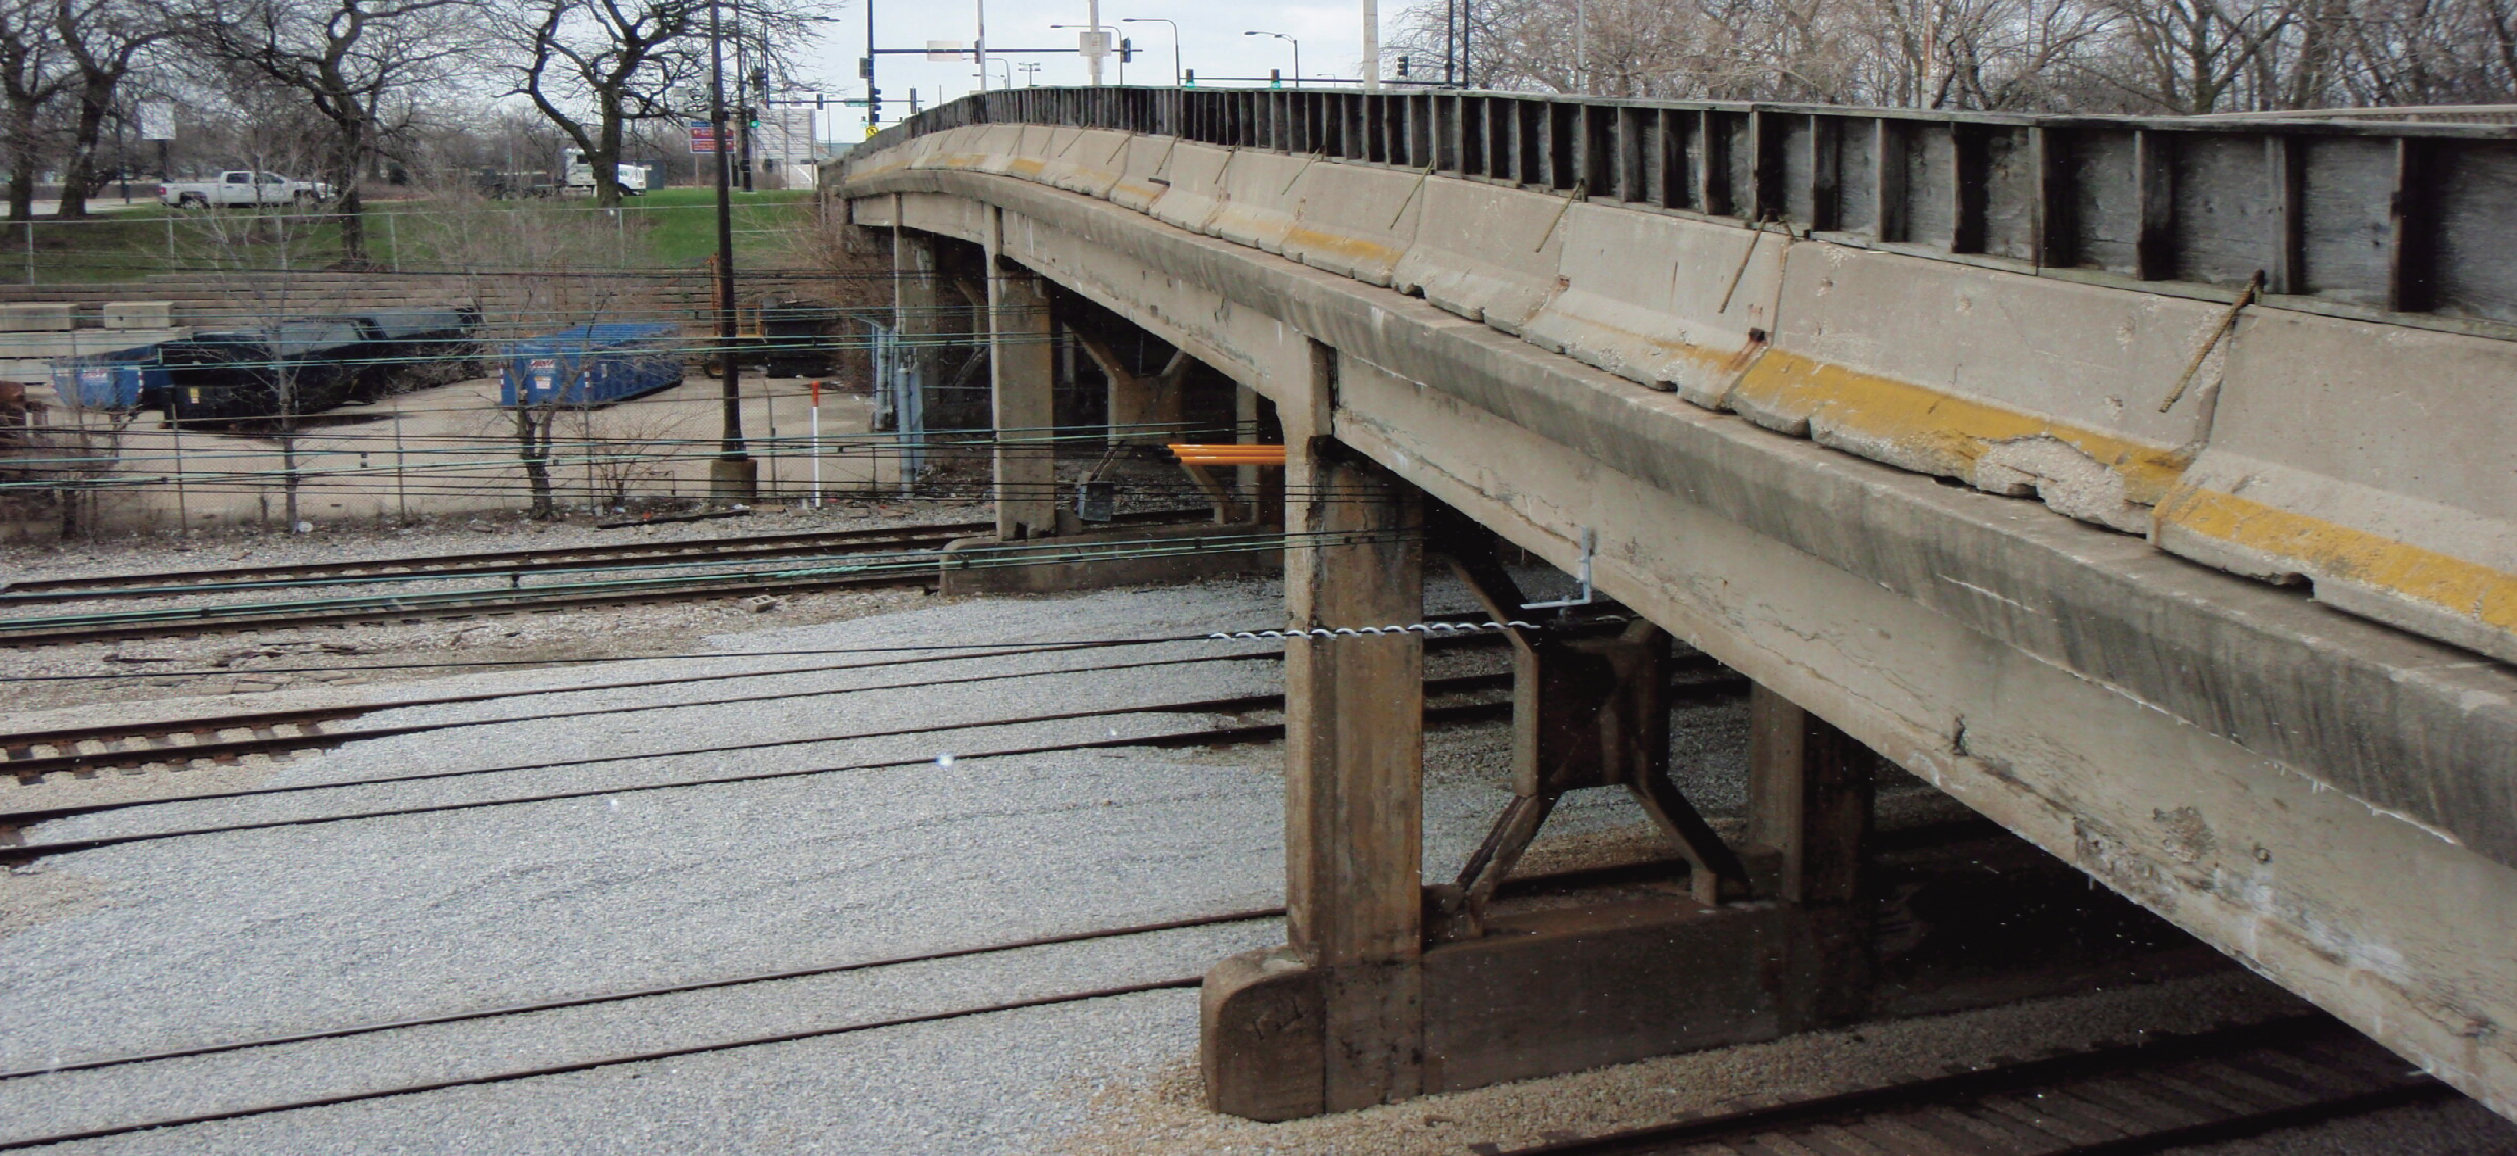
(1096, 61)
(1031, 74)
(1008, 66)
(1297, 52)
(1175, 41)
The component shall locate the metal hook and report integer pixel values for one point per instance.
(1590, 545)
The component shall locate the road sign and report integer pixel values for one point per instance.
(157, 120)
(1093, 43)
(947, 49)
(703, 137)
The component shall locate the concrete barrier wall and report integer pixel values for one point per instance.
(2362, 457)
(2372, 462)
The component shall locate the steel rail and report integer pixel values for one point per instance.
(645, 993)
(609, 1061)
(487, 564)
(2188, 1101)
(30, 768)
(13, 825)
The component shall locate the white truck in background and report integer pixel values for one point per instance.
(243, 187)
(576, 174)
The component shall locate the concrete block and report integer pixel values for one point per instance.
(1135, 556)
(1569, 989)
(139, 314)
(1089, 161)
(1664, 301)
(2369, 461)
(1263, 1047)
(1484, 252)
(1141, 172)
(1356, 221)
(1194, 190)
(1260, 194)
(37, 317)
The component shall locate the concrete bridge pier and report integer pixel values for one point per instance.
(1040, 544)
(1022, 379)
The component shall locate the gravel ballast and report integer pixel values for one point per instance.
(642, 883)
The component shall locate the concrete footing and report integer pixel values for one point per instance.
(1130, 557)
(1576, 979)
(735, 480)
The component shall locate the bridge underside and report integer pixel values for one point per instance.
(2320, 797)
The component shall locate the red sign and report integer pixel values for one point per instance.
(703, 137)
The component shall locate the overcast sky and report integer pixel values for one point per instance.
(1211, 44)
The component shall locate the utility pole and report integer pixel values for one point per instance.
(1371, 45)
(1092, 27)
(979, 47)
(732, 477)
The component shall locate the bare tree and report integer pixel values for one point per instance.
(103, 40)
(32, 76)
(2151, 56)
(593, 68)
(359, 65)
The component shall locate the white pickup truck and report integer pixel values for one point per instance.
(578, 176)
(242, 187)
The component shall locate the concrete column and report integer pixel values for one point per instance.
(1810, 788)
(917, 307)
(1022, 378)
(1354, 760)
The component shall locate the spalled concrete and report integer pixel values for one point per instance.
(2002, 378)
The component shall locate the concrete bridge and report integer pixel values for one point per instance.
(2145, 485)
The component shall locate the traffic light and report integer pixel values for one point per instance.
(1402, 68)
(1127, 50)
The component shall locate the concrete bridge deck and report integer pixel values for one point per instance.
(1742, 349)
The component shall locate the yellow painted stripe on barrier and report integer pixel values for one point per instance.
(1352, 248)
(2328, 549)
(1949, 430)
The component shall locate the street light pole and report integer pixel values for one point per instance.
(731, 476)
(1371, 46)
(1297, 52)
(1175, 40)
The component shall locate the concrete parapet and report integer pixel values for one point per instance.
(1088, 161)
(1356, 221)
(1135, 556)
(2370, 462)
(1484, 252)
(1193, 186)
(38, 317)
(1260, 194)
(139, 315)
(2009, 380)
(1666, 302)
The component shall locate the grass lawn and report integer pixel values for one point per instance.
(668, 228)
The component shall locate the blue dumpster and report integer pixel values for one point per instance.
(591, 365)
(122, 379)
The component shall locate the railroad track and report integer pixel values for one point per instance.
(901, 558)
(1451, 701)
(487, 564)
(224, 739)
(2113, 1100)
